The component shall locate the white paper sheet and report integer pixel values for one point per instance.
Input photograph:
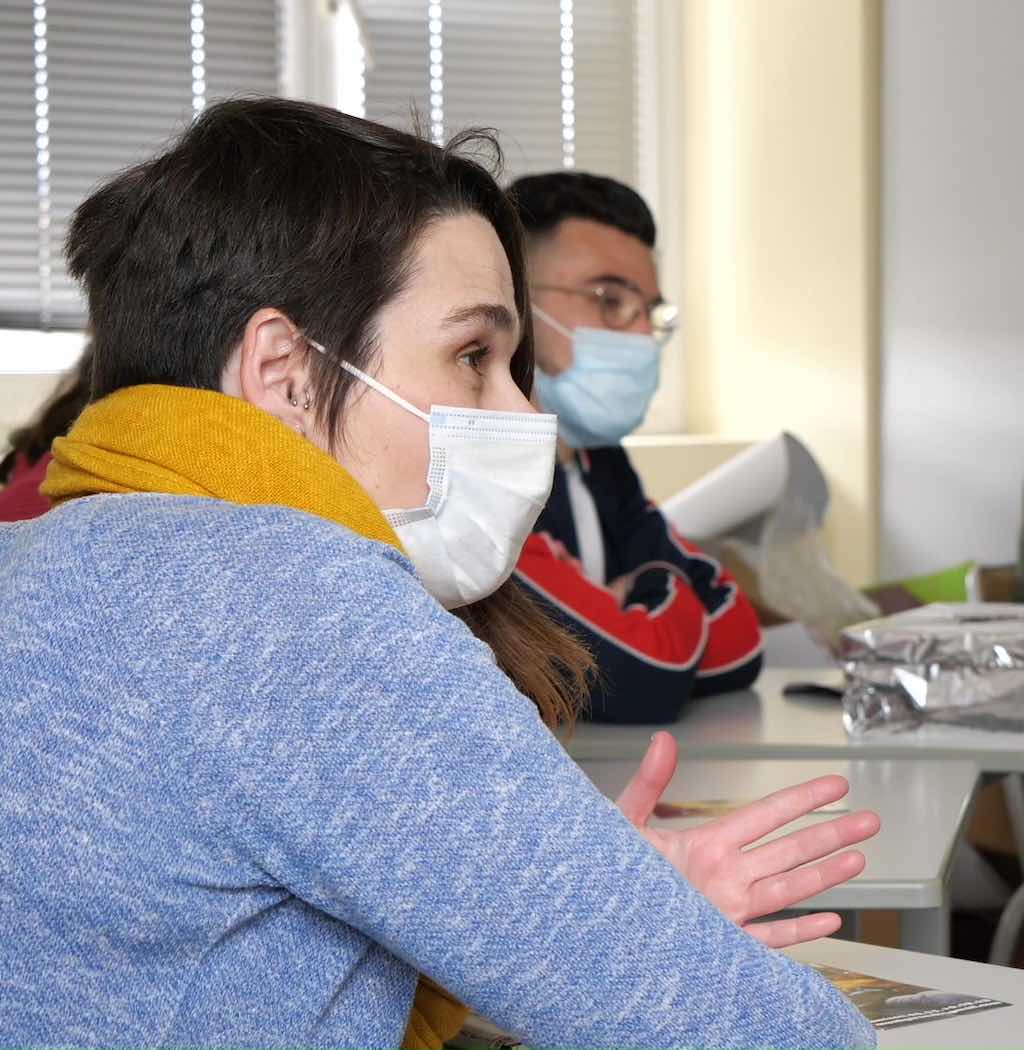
(748, 486)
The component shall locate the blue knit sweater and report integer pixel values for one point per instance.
(253, 778)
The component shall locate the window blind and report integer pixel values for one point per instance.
(19, 213)
(606, 95)
(556, 78)
(88, 87)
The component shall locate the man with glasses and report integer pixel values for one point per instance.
(663, 619)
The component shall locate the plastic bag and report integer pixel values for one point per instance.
(796, 576)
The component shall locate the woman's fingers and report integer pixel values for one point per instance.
(656, 771)
(795, 887)
(812, 843)
(760, 818)
(781, 933)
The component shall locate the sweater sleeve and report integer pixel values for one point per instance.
(399, 782)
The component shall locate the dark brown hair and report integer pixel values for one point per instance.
(271, 202)
(54, 420)
(275, 203)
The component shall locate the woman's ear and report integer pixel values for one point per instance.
(269, 369)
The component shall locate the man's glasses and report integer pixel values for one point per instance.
(622, 305)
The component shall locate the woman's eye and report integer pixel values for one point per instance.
(476, 357)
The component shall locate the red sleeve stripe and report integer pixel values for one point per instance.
(574, 614)
(709, 672)
(559, 555)
(673, 641)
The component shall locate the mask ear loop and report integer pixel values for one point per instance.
(370, 381)
(548, 319)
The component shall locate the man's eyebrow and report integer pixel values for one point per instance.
(614, 278)
(493, 314)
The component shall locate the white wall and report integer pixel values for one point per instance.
(21, 397)
(953, 283)
(780, 227)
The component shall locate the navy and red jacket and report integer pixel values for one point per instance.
(684, 630)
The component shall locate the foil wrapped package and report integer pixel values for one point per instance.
(956, 665)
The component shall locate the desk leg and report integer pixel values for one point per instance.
(925, 930)
(1013, 787)
(1011, 925)
(1011, 922)
(850, 929)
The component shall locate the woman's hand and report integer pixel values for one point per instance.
(745, 884)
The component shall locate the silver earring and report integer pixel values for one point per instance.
(292, 401)
(307, 404)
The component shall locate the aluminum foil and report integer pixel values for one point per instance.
(960, 665)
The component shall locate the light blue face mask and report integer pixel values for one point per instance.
(605, 393)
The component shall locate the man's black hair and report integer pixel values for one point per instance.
(543, 201)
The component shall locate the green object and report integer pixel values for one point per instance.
(948, 585)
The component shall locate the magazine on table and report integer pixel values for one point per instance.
(885, 1003)
(710, 808)
(889, 1004)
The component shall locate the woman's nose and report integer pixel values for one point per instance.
(512, 399)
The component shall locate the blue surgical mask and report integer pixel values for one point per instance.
(605, 393)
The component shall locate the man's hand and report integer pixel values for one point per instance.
(745, 884)
(620, 587)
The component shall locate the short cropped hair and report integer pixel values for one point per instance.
(273, 203)
(543, 201)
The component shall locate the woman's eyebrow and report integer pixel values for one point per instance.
(493, 314)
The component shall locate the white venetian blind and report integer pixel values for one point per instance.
(242, 48)
(556, 78)
(88, 87)
(398, 78)
(19, 216)
(502, 69)
(606, 88)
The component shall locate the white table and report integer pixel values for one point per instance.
(924, 806)
(986, 1030)
(762, 723)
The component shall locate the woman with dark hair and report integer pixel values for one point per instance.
(23, 468)
(255, 776)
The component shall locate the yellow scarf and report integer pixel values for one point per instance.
(187, 442)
